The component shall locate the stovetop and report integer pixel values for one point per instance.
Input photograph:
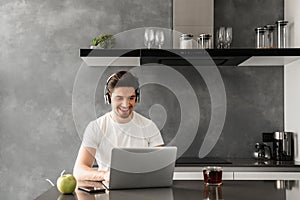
(206, 160)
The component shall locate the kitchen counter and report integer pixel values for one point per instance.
(240, 164)
(242, 169)
(264, 190)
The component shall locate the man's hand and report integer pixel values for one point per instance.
(106, 176)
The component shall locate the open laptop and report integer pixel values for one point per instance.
(141, 167)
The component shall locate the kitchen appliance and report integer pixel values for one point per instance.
(262, 151)
(283, 145)
(195, 160)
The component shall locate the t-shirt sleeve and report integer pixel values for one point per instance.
(156, 139)
(90, 135)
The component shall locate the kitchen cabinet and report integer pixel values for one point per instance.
(292, 75)
(184, 57)
(240, 174)
(266, 175)
(243, 169)
(193, 17)
(199, 176)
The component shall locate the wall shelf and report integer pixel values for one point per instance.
(184, 57)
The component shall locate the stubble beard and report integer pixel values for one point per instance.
(120, 113)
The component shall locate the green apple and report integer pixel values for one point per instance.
(66, 183)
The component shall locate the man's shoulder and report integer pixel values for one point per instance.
(142, 119)
(100, 120)
(99, 125)
(149, 127)
(106, 116)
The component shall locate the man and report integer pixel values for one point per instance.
(121, 127)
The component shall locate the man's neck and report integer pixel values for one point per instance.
(121, 120)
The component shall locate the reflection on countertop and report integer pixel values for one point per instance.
(183, 190)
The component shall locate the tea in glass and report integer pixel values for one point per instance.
(212, 175)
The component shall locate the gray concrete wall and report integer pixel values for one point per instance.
(244, 16)
(39, 59)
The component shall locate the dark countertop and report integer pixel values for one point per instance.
(264, 190)
(243, 164)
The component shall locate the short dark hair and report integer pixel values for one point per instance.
(122, 79)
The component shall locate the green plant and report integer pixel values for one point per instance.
(104, 41)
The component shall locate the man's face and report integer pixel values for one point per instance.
(122, 102)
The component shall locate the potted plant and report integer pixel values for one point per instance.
(104, 41)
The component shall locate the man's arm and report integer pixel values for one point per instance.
(83, 168)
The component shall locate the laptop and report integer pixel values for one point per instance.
(141, 167)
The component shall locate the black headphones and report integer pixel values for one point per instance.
(107, 98)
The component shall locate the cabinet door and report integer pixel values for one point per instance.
(198, 176)
(266, 175)
(193, 16)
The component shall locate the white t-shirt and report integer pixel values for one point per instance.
(104, 133)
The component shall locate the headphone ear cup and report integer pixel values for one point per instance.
(137, 92)
(107, 99)
(106, 95)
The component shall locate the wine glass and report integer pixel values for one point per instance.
(228, 37)
(159, 38)
(221, 37)
(149, 37)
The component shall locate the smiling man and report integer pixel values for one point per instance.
(121, 127)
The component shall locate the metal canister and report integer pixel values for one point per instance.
(282, 34)
(204, 41)
(186, 41)
(260, 37)
(270, 36)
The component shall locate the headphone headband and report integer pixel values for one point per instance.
(107, 97)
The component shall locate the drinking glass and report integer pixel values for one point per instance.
(228, 37)
(149, 37)
(159, 38)
(221, 37)
(212, 175)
